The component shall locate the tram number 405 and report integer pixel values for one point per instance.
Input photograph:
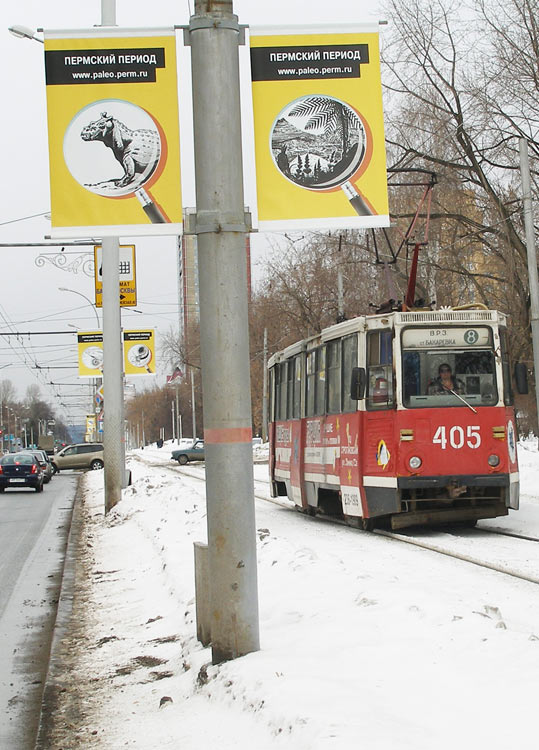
(457, 437)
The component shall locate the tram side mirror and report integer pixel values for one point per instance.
(358, 383)
(521, 377)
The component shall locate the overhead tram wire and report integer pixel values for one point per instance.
(62, 314)
(37, 333)
(26, 357)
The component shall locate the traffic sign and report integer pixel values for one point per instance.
(128, 276)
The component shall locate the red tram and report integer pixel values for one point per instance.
(362, 426)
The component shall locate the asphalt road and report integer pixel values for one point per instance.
(33, 536)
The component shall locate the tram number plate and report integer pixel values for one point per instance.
(457, 436)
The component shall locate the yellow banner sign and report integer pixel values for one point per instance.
(127, 273)
(139, 352)
(319, 129)
(90, 354)
(112, 103)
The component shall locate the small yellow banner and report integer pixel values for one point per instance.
(90, 354)
(319, 128)
(139, 352)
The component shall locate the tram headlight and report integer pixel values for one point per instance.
(493, 460)
(414, 462)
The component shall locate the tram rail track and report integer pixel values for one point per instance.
(428, 545)
(460, 556)
(514, 535)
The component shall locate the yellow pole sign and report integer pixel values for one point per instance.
(319, 128)
(112, 104)
(127, 274)
(90, 354)
(139, 352)
(90, 425)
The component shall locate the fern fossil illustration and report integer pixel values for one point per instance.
(327, 115)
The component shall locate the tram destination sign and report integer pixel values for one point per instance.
(443, 338)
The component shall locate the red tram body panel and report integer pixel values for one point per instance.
(428, 436)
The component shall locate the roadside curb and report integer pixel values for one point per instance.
(63, 617)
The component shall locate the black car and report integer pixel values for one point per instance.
(44, 462)
(20, 470)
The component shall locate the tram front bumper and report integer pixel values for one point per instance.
(446, 499)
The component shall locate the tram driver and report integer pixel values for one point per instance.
(445, 381)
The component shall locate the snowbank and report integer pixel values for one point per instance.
(365, 642)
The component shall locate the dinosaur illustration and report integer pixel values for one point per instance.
(138, 151)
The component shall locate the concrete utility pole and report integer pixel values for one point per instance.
(532, 259)
(193, 405)
(113, 432)
(214, 36)
(265, 390)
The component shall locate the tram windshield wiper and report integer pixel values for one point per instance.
(461, 399)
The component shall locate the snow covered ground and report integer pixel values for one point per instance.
(365, 642)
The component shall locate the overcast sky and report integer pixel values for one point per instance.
(30, 299)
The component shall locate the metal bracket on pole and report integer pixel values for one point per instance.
(203, 222)
(203, 22)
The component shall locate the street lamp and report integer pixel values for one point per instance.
(88, 300)
(23, 32)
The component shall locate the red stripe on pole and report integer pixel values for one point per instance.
(229, 435)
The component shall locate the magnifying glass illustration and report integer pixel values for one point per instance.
(92, 358)
(321, 143)
(115, 149)
(140, 355)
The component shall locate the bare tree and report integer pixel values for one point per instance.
(440, 118)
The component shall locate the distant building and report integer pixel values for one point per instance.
(188, 293)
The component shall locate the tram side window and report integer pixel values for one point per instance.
(277, 391)
(334, 376)
(311, 383)
(508, 397)
(296, 413)
(380, 370)
(290, 389)
(272, 394)
(280, 391)
(320, 407)
(349, 360)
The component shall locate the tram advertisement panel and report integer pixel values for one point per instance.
(114, 152)
(319, 130)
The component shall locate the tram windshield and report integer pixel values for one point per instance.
(439, 365)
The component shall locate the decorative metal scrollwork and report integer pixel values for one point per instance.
(73, 262)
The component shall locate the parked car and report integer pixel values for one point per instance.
(185, 442)
(193, 453)
(79, 456)
(20, 470)
(44, 462)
